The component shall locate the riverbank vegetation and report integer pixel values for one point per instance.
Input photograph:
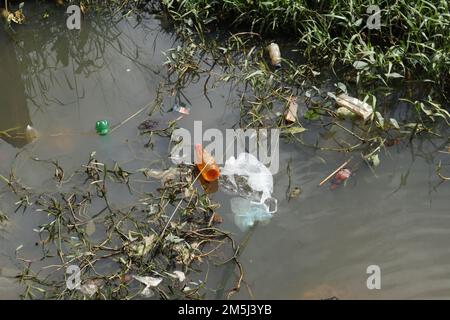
(401, 69)
(412, 40)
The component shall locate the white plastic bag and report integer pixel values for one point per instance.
(247, 213)
(252, 181)
(249, 177)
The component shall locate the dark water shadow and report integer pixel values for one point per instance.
(13, 102)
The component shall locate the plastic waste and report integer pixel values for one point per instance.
(275, 55)
(291, 113)
(374, 160)
(361, 108)
(165, 176)
(340, 178)
(342, 175)
(253, 182)
(206, 164)
(31, 134)
(181, 108)
(247, 213)
(102, 127)
(248, 177)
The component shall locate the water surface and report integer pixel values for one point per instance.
(318, 245)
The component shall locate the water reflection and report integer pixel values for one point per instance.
(15, 116)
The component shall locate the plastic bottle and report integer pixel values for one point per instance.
(31, 134)
(275, 55)
(206, 164)
(102, 127)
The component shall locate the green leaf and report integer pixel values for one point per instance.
(294, 130)
(358, 22)
(311, 115)
(394, 123)
(394, 75)
(342, 87)
(257, 72)
(359, 65)
(380, 119)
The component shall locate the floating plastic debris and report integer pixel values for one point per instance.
(342, 175)
(178, 275)
(291, 113)
(374, 160)
(164, 175)
(90, 288)
(247, 213)
(247, 177)
(102, 127)
(362, 109)
(181, 108)
(206, 164)
(149, 282)
(275, 55)
(31, 134)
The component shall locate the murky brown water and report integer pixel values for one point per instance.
(318, 245)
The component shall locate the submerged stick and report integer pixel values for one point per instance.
(335, 171)
(129, 118)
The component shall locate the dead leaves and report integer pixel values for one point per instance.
(17, 16)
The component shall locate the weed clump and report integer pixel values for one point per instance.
(156, 247)
(412, 40)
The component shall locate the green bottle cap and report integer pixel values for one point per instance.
(102, 127)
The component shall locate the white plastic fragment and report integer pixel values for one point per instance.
(291, 113)
(88, 289)
(178, 275)
(362, 109)
(247, 177)
(149, 282)
(256, 175)
(274, 54)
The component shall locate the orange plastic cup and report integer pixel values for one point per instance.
(206, 164)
